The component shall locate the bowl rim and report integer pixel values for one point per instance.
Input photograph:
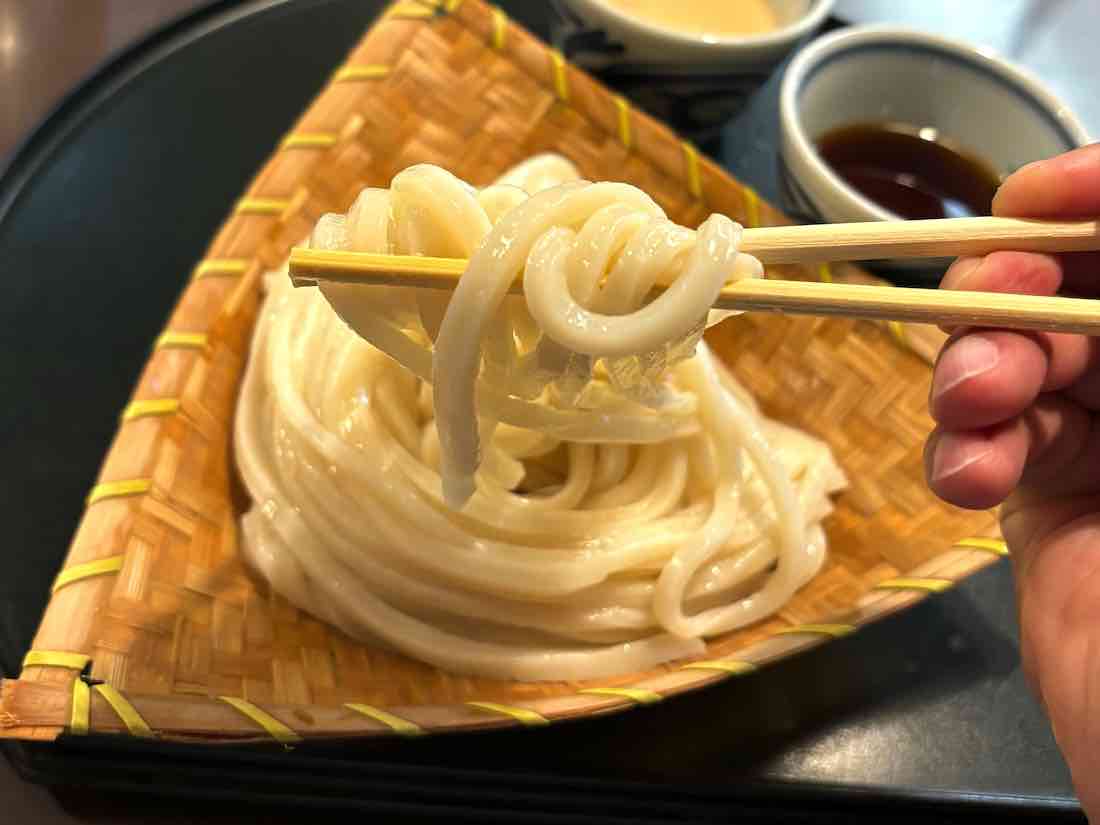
(809, 21)
(983, 57)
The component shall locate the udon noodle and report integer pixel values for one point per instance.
(563, 484)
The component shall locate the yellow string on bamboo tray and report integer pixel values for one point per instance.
(150, 407)
(834, 630)
(119, 489)
(181, 340)
(623, 109)
(220, 267)
(410, 11)
(81, 713)
(898, 333)
(126, 711)
(56, 658)
(265, 720)
(642, 697)
(394, 723)
(996, 546)
(752, 208)
(824, 274)
(500, 28)
(87, 570)
(691, 165)
(351, 74)
(309, 140)
(521, 715)
(903, 583)
(262, 206)
(561, 79)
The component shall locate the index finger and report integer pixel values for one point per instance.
(1064, 186)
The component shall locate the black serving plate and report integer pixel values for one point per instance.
(103, 212)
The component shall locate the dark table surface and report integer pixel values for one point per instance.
(928, 706)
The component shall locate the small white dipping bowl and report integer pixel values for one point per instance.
(862, 74)
(648, 44)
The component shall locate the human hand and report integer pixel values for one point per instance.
(1018, 421)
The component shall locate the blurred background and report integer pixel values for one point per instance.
(47, 46)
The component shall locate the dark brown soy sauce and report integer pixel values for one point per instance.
(913, 172)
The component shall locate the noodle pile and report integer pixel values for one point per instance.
(563, 484)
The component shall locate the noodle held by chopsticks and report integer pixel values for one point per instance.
(560, 485)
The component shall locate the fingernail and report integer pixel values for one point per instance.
(952, 457)
(970, 356)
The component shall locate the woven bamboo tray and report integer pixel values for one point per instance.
(156, 629)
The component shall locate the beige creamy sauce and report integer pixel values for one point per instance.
(723, 18)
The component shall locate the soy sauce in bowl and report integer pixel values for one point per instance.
(914, 172)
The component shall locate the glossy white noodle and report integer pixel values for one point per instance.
(558, 485)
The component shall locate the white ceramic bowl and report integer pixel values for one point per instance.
(1000, 112)
(646, 44)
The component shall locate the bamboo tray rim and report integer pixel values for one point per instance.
(92, 704)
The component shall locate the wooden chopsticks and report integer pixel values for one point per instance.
(945, 237)
(802, 244)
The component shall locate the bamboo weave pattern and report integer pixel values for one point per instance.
(153, 598)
